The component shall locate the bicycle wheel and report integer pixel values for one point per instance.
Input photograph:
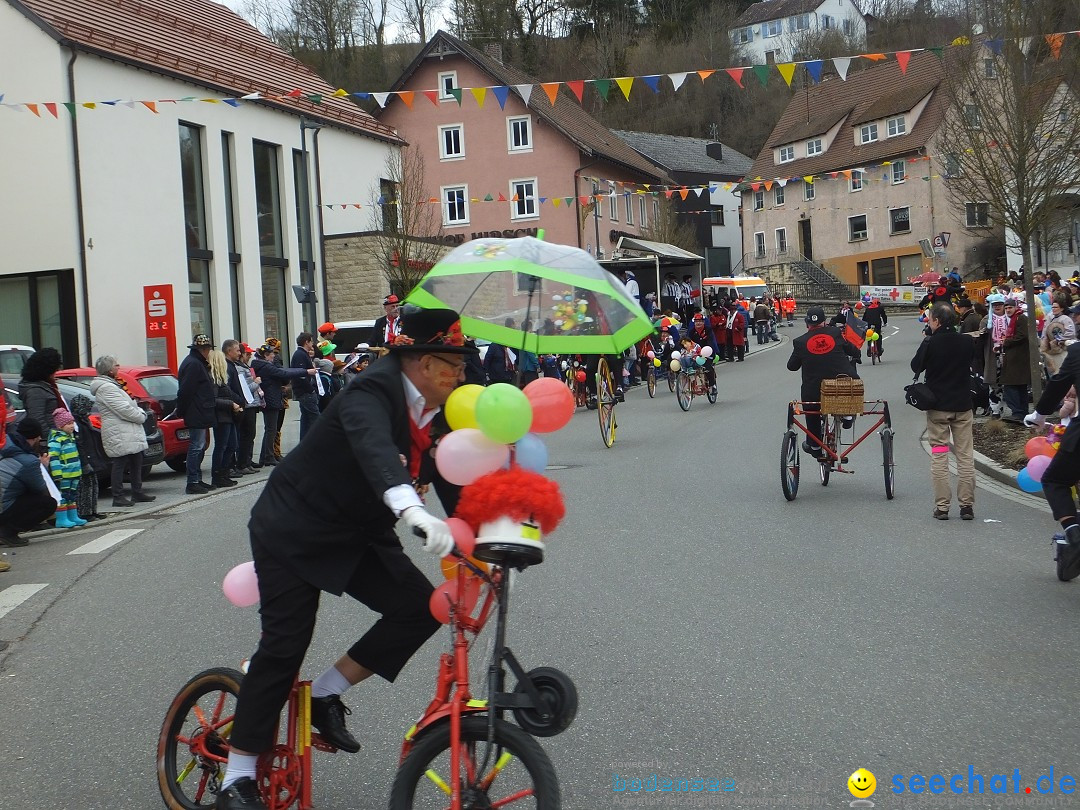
(684, 390)
(671, 377)
(888, 463)
(193, 744)
(650, 380)
(789, 465)
(518, 773)
(711, 393)
(605, 402)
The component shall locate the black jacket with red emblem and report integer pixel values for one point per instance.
(822, 354)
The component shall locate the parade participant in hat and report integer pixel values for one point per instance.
(821, 353)
(701, 335)
(389, 325)
(306, 538)
(272, 379)
(327, 332)
(196, 399)
(875, 318)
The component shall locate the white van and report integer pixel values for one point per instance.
(739, 286)
(350, 334)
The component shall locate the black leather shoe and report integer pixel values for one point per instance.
(1068, 555)
(243, 794)
(120, 500)
(328, 716)
(142, 497)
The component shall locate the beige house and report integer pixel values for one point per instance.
(854, 181)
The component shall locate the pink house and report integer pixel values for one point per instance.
(504, 161)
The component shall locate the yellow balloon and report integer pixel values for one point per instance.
(461, 407)
(656, 362)
(567, 326)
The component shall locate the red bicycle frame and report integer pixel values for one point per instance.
(878, 408)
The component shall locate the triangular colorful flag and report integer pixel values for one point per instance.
(1055, 41)
(34, 109)
(314, 98)
(90, 105)
(677, 80)
(501, 94)
(556, 201)
(489, 198)
(291, 94)
(653, 82)
(762, 72)
(873, 57)
(433, 96)
(232, 102)
(340, 93)
(251, 96)
(624, 83)
(407, 96)
(842, 63)
(380, 98)
(552, 90)
(525, 91)
(902, 59)
(736, 74)
(577, 87)
(938, 52)
(814, 69)
(994, 46)
(787, 70)
(51, 107)
(479, 93)
(704, 74)
(603, 87)
(456, 93)
(70, 108)
(808, 178)
(768, 185)
(150, 105)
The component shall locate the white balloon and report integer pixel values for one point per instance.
(675, 365)
(706, 351)
(675, 355)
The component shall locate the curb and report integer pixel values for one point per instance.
(120, 517)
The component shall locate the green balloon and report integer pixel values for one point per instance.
(503, 413)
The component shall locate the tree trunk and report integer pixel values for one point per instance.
(1033, 335)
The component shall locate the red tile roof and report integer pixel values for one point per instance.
(883, 89)
(200, 42)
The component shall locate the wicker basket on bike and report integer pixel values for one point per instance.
(842, 396)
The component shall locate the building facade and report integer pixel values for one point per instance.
(776, 31)
(133, 224)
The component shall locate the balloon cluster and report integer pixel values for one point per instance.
(871, 334)
(1039, 450)
(568, 312)
(489, 426)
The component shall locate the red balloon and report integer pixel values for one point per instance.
(1038, 446)
(552, 404)
(447, 593)
(580, 376)
(464, 536)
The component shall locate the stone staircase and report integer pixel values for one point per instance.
(830, 286)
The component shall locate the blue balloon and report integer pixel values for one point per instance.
(1027, 483)
(531, 453)
(699, 360)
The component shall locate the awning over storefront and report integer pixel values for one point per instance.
(642, 255)
(660, 249)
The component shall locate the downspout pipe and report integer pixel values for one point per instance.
(322, 232)
(79, 216)
(577, 199)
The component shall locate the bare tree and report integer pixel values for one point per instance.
(1013, 134)
(408, 227)
(415, 17)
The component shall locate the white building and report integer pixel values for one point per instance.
(779, 30)
(110, 209)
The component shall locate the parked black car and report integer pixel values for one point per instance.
(155, 452)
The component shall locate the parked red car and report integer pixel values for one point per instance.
(155, 388)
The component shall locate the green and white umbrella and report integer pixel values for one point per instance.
(535, 296)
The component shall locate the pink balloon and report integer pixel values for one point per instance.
(447, 593)
(1037, 466)
(464, 455)
(241, 586)
(706, 351)
(552, 404)
(464, 536)
(650, 354)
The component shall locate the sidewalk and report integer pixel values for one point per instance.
(168, 487)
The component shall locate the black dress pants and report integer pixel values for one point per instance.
(385, 580)
(1058, 480)
(28, 510)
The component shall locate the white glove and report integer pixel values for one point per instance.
(438, 540)
(1034, 420)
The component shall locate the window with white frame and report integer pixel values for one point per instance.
(455, 205)
(519, 134)
(899, 171)
(524, 207)
(655, 211)
(856, 180)
(857, 228)
(849, 27)
(452, 142)
(827, 22)
(978, 214)
(800, 22)
(896, 126)
(744, 35)
(759, 244)
(613, 206)
(808, 192)
(778, 195)
(899, 220)
(759, 200)
(447, 82)
(813, 147)
(771, 28)
(781, 241)
(868, 133)
(628, 198)
(716, 215)
(641, 210)
(972, 116)
(787, 154)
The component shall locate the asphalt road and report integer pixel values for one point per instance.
(714, 630)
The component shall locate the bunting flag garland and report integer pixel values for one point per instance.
(813, 67)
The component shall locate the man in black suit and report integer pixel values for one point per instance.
(376, 435)
(386, 327)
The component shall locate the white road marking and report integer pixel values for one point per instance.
(12, 597)
(106, 541)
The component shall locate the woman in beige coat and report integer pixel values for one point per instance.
(122, 432)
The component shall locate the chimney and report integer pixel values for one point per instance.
(715, 150)
(493, 50)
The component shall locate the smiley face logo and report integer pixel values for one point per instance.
(862, 784)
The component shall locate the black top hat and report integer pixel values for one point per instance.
(431, 330)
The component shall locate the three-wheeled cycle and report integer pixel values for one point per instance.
(841, 403)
